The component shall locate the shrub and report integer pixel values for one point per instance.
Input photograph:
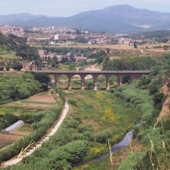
(76, 150)
(17, 66)
(61, 165)
(84, 128)
(62, 137)
(153, 89)
(103, 136)
(72, 102)
(157, 98)
(131, 163)
(72, 123)
(7, 119)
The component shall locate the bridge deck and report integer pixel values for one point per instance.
(95, 72)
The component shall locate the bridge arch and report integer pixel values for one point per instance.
(126, 79)
(101, 80)
(61, 78)
(113, 81)
(76, 80)
(88, 81)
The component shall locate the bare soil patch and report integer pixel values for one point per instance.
(7, 139)
(165, 112)
(93, 68)
(20, 133)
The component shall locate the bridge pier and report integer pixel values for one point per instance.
(107, 83)
(56, 80)
(120, 80)
(95, 82)
(82, 82)
(69, 83)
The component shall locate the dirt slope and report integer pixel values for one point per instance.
(165, 112)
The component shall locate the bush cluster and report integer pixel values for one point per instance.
(18, 87)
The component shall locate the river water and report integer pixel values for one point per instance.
(115, 148)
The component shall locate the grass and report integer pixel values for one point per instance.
(103, 111)
(14, 110)
(4, 55)
(147, 50)
(26, 128)
(36, 102)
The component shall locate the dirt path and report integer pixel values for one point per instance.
(165, 112)
(39, 143)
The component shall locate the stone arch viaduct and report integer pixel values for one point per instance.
(95, 74)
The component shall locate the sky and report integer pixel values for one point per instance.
(65, 8)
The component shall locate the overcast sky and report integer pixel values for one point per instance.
(71, 7)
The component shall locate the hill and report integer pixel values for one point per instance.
(116, 19)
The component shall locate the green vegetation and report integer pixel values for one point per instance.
(17, 66)
(20, 87)
(27, 53)
(41, 122)
(10, 42)
(132, 161)
(7, 119)
(36, 102)
(91, 124)
(8, 46)
(152, 134)
(139, 63)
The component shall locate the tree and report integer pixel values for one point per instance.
(165, 47)
(153, 89)
(1, 68)
(157, 98)
(55, 60)
(17, 66)
(100, 59)
(72, 66)
(135, 45)
(43, 78)
(127, 79)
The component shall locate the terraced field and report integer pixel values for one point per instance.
(31, 105)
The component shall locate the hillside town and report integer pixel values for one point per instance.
(68, 36)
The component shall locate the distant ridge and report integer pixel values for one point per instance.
(115, 19)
